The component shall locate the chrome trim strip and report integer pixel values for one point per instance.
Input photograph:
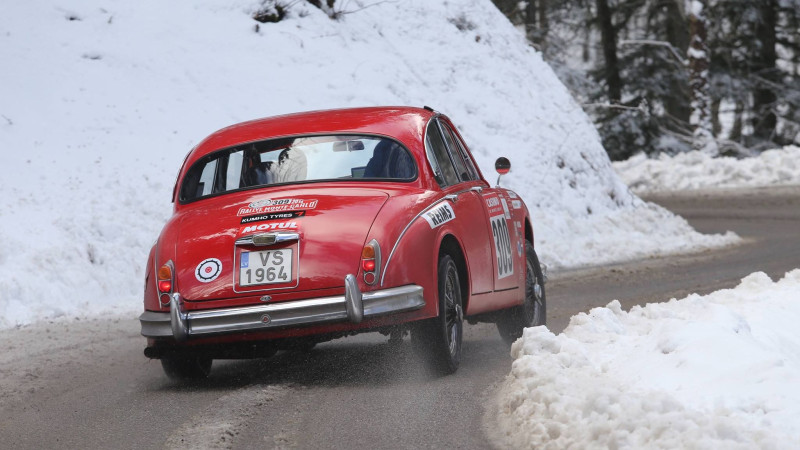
(183, 325)
(263, 239)
(377, 247)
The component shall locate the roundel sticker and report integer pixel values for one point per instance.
(208, 270)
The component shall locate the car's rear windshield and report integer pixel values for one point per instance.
(298, 160)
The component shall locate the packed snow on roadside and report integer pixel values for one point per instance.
(714, 371)
(103, 98)
(697, 170)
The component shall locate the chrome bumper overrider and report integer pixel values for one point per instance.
(353, 307)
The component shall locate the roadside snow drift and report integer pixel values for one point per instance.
(696, 170)
(714, 371)
(103, 98)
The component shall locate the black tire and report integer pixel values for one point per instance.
(438, 340)
(186, 368)
(533, 311)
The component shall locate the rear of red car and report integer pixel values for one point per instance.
(272, 236)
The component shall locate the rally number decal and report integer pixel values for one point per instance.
(502, 245)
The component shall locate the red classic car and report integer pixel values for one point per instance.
(297, 229)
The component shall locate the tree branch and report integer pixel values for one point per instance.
(669, 46)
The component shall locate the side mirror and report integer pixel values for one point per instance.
(502, 166)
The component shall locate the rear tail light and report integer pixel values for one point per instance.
(371, 262)
(165, 282)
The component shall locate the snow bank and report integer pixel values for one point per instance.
(714, 371)
(696, 170)
(103, 98)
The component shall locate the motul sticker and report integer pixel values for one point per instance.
(269, 205)
(268, 227)
(516, 204)
(208, 270)
(440, 215)
(273, 216)
(512, 194)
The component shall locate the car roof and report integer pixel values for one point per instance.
(406, 124)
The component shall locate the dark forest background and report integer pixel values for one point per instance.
(721, 76)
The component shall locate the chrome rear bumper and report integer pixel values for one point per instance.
(352, 307)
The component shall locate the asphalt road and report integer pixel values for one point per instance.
(86, 384)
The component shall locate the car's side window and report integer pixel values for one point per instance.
(457, 148)
(438, 157)
(206, 184)
(455, 154)
(234, 172)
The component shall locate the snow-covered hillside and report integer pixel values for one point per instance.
(714, 371)
(101, 99)
(697, 170)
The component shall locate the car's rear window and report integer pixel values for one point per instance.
(299, 160)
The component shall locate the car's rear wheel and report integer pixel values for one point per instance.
(532, 312)
(186, 367)
(439, 339)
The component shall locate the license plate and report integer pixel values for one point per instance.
(265, 267)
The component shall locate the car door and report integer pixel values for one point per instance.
(496, 214)
(462, 188)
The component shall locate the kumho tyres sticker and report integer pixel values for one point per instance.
(208, 270)
(273, 216)
(516, 204)
(512, 194)
(440, 215)
(269, 205)
(502, 246)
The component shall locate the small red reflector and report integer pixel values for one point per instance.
(165, 286)
(368, 265)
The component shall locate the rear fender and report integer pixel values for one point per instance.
(150, 290)
(413, 260)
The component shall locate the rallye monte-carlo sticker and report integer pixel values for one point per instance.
(208, 270)
(269, 205)
(502, 246)
(441, 214)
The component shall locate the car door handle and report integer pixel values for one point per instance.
(452, 197)
(477, 189)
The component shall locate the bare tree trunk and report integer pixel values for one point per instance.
(608, 36)
(764, 119)
(736, 129)
(677, 34)
(703, 137)
(544, 24)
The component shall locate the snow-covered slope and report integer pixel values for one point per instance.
(714, 371)
(101, 99)
(697, 170)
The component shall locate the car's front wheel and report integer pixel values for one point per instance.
(532, 312)
(186, 367)
(439, 339)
